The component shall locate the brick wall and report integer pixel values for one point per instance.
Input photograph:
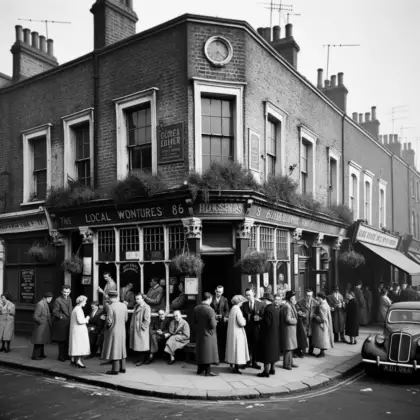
(401, 199)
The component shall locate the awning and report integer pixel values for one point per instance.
(396, 258)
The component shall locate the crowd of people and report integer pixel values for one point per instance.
(250, 332)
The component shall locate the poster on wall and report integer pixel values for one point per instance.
(27, 285)
(170, 143)
(87, 280)
(87, 266)
(265, 279)
(254, 150)
(191, 286)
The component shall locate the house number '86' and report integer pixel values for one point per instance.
(177, 209)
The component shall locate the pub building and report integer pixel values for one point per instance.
(411, 248)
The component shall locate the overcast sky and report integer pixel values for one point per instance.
(383, 71)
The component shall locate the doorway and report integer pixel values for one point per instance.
(218, 270)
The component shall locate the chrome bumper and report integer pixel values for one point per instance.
(378, 362)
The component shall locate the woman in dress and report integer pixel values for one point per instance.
(7, 321)
(79, 345)
(237, 353)
(384, 304)
(322, 334)
(352, 318)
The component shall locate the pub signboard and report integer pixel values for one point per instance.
(27, 285)
(376, 237)
(170, 143)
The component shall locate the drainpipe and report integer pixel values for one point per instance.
(95, 117)
(392, 192)
(343, 118)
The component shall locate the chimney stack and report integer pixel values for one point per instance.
(355, 117)
(393, 144)
(267, 34)
(409, 155)
(319, 82)
(287, 46)
(333, 81)
(29, 54)
(341, 79)
(113, 21)
(360, 118)
(337, 93)
(326, 84)
(260, 31)
(276, 33)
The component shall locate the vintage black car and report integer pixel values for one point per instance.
(397, 349)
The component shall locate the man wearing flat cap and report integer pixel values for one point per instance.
(288, 331)
(268, 342)
(43, 327)
(336, 302)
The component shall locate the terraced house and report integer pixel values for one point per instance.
(173, 100)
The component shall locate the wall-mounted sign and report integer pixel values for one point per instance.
(132, 255)
(130, 267)
(171, 143)
(414, 246)
(23, 225)
(191, 286)
(87, 266)
(27, 285)
(111, 215)
(294, 221)
(376, 237)
(231, 209)
(254, 150)
(265, 279)
(86, 280)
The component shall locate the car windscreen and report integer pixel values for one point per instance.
(400, 316)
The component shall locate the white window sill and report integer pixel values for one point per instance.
(32, 203)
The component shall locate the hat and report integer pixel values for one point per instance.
(290, 294)
(113, 293)
(336, 288)
(268, 296)
(48, 294)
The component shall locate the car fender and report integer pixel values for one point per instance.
(371, 350)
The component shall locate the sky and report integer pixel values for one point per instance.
(382, 71)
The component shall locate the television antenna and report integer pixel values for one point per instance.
(336, 45)
(46, 23)
(279, 7)
(396, 110)
(292, 14)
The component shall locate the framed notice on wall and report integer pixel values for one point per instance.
(27, 286)
(170, 143)
(191, 286)
(254, 150)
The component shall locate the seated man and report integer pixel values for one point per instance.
(159, 326)
(95, 327)
(177, 337)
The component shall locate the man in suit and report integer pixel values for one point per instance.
(42, 332)
(336, 302)
(220, 305)
(252, 312)
(155, 296)
(61, 314)
(306, 310)
(206, 337)
(95, 326)
(408, 294)
(177, 337)
(159, 326)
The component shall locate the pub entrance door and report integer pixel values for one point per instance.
(218, 270)
(303, 281)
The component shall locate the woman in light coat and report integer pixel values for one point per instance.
(7, 322)
(384, 304)
(79, 344)
(139, 328)
(322, 334)
(236, 343)
(43, 327)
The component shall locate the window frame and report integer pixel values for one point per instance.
(368, 178)
(209, 88)
(335, 155)
(307, 136)
(121, 106)
(382, 187)
(70, 122)
(354, 169)
(28, 161)
(413, 224)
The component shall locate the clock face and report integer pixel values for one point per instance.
(218, 51)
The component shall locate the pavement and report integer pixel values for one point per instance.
(180, 381)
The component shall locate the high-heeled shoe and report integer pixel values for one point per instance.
(236, 370)
(80, 366)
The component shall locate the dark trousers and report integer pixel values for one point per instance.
(157, 341)
(221, 332)
(63, 350)
(38, 351)
(311, 346)
(118, 365)
(203, 368)
(336, 336)
(287, 358)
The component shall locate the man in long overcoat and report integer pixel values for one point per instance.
(206, 337)
(306, 310)
(177, 337)
(159, 326)
(114, 347)
(338, 315)
(139, 328)
(43, 327)
(252, 312)
(361, 301)
(288, 330)
(268, 341)
(322, 336)
(61, 313)
(221, 306)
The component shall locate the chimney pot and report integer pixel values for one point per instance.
(396, 138)
(333, 81)
(340, 79)
(43, 44)
(360, 118)
(130, 4)
(373, 110)
(405, 146)
(27, 36)
(355, 116)
(326, 83)
(260, 31)
(289, 30)
(320, 74)
(380, 138)
(276, 33)
(367, 117)
(35, 40)
(409, 146)
(19, 33)
(385, 138)
(50, 47)
(267, 34)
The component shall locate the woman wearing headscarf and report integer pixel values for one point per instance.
(7, 321)
(43, 327)
(79, 345)
(237, 353)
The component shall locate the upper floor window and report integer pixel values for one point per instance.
(354, 192)
(218, 110)
(217, 131)
(307, 161)
(418, 225)
(139, 132)
(36, 163)
(272, 133)
(78, 147)
(136, 132)
(382, 203)
(368, 202)
(413, 188)
(418, 191)
(304, 170)
(333, 176)
(413, 225)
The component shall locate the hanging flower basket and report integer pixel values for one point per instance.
(254, 262)
(74, 264)
(351, 259)
(41, 252)
(188, 263)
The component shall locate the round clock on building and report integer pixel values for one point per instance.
(218, 51)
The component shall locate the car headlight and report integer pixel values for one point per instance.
(380, 339)
(418, 342)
